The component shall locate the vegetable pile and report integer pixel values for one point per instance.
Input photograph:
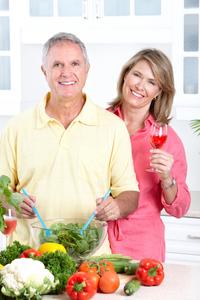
(147, 272)
(27, 273)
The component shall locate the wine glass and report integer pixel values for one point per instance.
(158, 136)
(10, 221)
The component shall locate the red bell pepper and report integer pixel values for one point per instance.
(28, 253)
(150, 272)
(80, 286)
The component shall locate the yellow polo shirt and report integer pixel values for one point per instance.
(66, 169)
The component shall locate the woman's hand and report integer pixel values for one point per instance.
(161, 162)
(27, 207)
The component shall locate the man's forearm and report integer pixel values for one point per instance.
(127, 202)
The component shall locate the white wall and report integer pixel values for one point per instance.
(106, 61)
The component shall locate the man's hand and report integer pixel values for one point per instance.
(107, 210)
(27, 207)
(116, 208)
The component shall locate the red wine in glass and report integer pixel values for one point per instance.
(10, 223)
(157, 141)
(158, 136)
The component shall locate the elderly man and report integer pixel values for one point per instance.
(67, 152)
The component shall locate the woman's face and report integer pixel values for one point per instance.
(140, 86)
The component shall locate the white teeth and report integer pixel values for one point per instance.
(67, 82)
(136, 94)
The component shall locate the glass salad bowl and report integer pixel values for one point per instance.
(67, 232)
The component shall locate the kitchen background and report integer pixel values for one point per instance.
(113, 30)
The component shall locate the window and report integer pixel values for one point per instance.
(4, 46)
(191, 47)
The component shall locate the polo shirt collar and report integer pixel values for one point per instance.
(88, 114)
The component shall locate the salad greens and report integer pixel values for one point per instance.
(78, 246)
(7, 197)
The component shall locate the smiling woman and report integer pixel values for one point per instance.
(145, 96)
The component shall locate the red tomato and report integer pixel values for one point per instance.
(105, 266)
(109, 282)
(94, 278)
(88, 266)
(96, 267)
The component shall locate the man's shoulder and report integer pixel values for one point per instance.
(21, 119)
(107, 116)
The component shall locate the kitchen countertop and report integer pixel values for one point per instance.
(181, 282)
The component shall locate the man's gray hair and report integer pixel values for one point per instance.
(63, 37)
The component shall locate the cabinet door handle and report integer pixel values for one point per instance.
(98, 8)
(193, 237)
(85, 9)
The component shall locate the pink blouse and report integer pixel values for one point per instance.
(142, 233)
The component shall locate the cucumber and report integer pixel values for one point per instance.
(120, 266)
(132, 286)
(119, 261)
(131, 268)
(111, 257)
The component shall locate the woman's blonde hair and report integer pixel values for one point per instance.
(161, 67)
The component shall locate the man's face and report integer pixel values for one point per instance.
(65, 70)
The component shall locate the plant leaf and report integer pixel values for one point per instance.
(195, 124)
(7, 197)
(4, 181)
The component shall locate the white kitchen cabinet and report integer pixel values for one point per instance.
(182, 240)
(132, 23)
(98, 21)
(10, 84)
(186, 62)
(153, 23)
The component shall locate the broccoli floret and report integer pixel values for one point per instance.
(12, 252)
(61, 265)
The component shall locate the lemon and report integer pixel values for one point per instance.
(51, 247)
(1, 266)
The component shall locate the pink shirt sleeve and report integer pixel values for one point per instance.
(181, 204)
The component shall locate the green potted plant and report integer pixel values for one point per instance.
(195, 124)
(7, 199)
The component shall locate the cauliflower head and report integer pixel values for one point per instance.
(26, 278)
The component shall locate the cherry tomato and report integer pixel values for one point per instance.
(88, 266)
(105, 266)
(96, 267)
